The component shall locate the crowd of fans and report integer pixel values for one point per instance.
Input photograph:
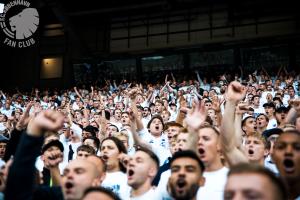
(230, 138)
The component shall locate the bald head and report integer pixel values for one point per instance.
(100, 165)
(78, 176)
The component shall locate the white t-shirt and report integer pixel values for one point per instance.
(214, 185)
(162, 185)
(150, 194)
(269, 164)
(272, 124)
(117, 182)
(160, 145)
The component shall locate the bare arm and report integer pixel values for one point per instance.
(293, 112)
(181, 115)
(194, 120)
(235, 93)
(137, 139)
(173, 78)
(78, 94)
(139, 123)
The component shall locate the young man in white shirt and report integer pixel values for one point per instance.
(141, 170)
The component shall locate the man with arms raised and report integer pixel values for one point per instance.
(256, 148)
(78, 175)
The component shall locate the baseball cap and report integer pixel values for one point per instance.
(269, 104)
(270, 132)
(55, 143)
(282, 109)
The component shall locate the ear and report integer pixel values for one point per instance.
(102, 177)
(219, 146)
(96, 182)
(201, 181)
(266, 152)
(43, 158)
(243, 128)
(152, 172)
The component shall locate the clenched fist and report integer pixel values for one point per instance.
(48, 120)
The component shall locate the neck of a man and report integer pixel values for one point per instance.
(142, 189)
(293, 188)
(214, 166)
(112, 168)
(261, 129)
(260, 161)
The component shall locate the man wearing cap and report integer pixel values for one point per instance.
(271, 136)
(88, 131)
(78, 175)
(270, 110)
(52, 155)
(280, 114)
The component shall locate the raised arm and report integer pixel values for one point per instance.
(173, 78)
(138, 141)
(294, 112)
(199, 78)
(139, 123)
(194, 119)
(78, 94)
(235, 93)
(20, 181)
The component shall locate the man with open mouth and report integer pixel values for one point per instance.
(286, 155)
(78, 174)
(141, 170)
(186, 175)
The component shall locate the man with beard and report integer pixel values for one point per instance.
(286, 155)
(186, 175)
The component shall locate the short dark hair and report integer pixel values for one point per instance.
(158, 117)
(91, 129)
(255, 168)
(266, 117)
(86, 148)
(110, 124)
(150, 153)
(172, 123)
(100, 189)
(245, 119)
(188, 154)
(95, 139)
